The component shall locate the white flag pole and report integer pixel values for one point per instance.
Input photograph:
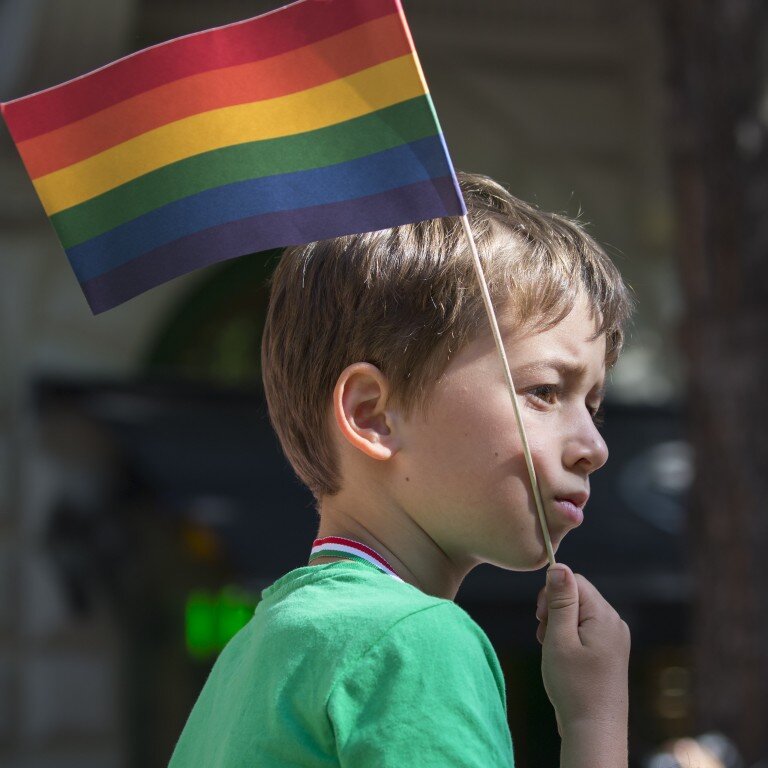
(510, 384)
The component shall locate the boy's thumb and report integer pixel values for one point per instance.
(562, 602)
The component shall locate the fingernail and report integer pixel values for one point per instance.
(556, 577)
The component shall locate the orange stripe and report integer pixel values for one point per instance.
(330, 59)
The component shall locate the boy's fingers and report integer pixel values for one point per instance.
(562, 603)
(589, 603)
(592, 604)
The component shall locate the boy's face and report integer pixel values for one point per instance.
(467, 485)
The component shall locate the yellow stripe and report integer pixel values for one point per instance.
(359, 94)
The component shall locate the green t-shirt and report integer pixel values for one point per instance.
(343, 665)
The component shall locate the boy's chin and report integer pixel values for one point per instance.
(529, 553)
(530, 561)
(540, 558)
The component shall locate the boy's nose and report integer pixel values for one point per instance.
(586, 448)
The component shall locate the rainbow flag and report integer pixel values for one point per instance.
(308, 122)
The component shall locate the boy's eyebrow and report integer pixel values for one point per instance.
(566, 369)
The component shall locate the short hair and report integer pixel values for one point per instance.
(407, 299)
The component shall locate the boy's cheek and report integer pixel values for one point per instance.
(547, 461)
(538, 433)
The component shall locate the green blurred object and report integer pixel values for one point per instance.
(212, 619)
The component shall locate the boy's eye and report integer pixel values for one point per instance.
(547, 393)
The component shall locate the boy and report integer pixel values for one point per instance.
(387, 394)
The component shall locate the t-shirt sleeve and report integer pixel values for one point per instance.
(429, 693)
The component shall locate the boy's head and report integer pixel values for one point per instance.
(365, 332)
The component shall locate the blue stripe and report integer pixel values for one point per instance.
(407, 164)
(414, 202)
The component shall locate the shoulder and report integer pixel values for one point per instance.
(429, 687)
(376, 611)
(364, 621)
(341, 610)
(347, 595)
(434, 624)
(437, 643)
(354, 606)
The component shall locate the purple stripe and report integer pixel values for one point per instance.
(414, 202)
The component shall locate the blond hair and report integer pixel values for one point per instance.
(407, 300)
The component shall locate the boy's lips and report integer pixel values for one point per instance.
(571, 506)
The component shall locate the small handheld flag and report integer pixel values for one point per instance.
(309, 122)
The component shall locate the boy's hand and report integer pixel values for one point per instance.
(585, 658)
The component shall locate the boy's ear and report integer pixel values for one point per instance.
(361, 410)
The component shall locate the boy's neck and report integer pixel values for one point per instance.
(414, 556)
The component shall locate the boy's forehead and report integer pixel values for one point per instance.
(569, 369)
(570, 346)
(578, 327)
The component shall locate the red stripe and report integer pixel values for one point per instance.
(356, 545)
(335, 57)
(302, 23)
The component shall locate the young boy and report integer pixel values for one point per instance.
(388, 396)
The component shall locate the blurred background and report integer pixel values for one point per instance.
(139, 476)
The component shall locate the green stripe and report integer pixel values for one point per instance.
(390, 127)
(346, 556)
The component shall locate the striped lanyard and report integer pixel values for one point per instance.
(335, 546)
